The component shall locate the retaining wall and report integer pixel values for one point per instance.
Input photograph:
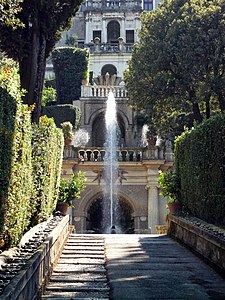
(204, 242)
(28, 283)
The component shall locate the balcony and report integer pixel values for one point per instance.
(123, 154)
(99, 91)
(108, 5)
(106, 48)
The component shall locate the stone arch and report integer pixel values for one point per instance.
(94, 210)
(113, 32)
(98, 128)
(109, 68)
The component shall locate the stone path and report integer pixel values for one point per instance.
(80, 273)
(136, 267)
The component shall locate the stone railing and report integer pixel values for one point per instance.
(111, 5)
(108, 48)
(103, 91)
(205, 239)
(31, 279)
(124, 154)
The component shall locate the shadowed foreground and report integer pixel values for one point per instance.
(134, 267)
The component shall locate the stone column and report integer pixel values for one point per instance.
(122, 29)
(104, 32)
(153, 207)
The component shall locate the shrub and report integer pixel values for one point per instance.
(25, 173)
(48, 95)
(47, 145)
(71, 188)
(70, 66)
(63, 113)
(200, 168)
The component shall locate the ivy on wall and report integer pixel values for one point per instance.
(71, 67)
(200, 167)
(63, 113)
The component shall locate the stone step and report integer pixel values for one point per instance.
(83, 255)
(73, 251)
(84, 248)
(79, 268)
(78, 278)
(75, 295)
(78, 286)
(80, 272)
(82, 261)
(69, 298)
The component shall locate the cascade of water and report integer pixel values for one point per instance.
(111, 164)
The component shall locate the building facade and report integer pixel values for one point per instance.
(109, 30)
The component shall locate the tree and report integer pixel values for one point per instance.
(8, 11)
(31, 44)
(173, 67)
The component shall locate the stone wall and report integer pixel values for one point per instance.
(28, 283)
(206, 240)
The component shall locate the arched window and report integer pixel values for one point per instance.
(113, 32)
(111, 69)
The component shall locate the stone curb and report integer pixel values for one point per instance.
(29, 281)
(204, 243)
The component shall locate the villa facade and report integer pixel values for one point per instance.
(109, 30)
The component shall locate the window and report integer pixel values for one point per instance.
(129, 36)
(148, 4)
(113, 32)
(97, 33)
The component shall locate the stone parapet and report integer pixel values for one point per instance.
(203, 239)
(28, 283)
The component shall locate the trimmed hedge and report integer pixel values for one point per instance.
(71, 67)
(63, 113)
(27, 169)
(15, 168)
(200, 167)
(47, 152)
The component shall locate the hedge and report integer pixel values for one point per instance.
(200, 167)
(71, 67)
(47, 151)
(63, 113)
(30, 161)
(16, 168)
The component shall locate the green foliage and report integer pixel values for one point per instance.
(200, 168)
(67, 129)
(18, 207)
(30, 163)
(47, 151)
(63, 113)
(177, 67)
(48, 95)
(71, 188)
(30, 44)
(8, 12)
(70, 66)
(169, 184)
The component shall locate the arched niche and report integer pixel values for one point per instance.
(113, 32)
(98, 212)
(109, 68)
(99, 130)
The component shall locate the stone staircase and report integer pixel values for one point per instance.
(80, 272)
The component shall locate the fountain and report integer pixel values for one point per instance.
(110, 200)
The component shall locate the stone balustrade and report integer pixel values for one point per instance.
(103, 91)
(108, 48)
(111, 5)
(123, 154)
